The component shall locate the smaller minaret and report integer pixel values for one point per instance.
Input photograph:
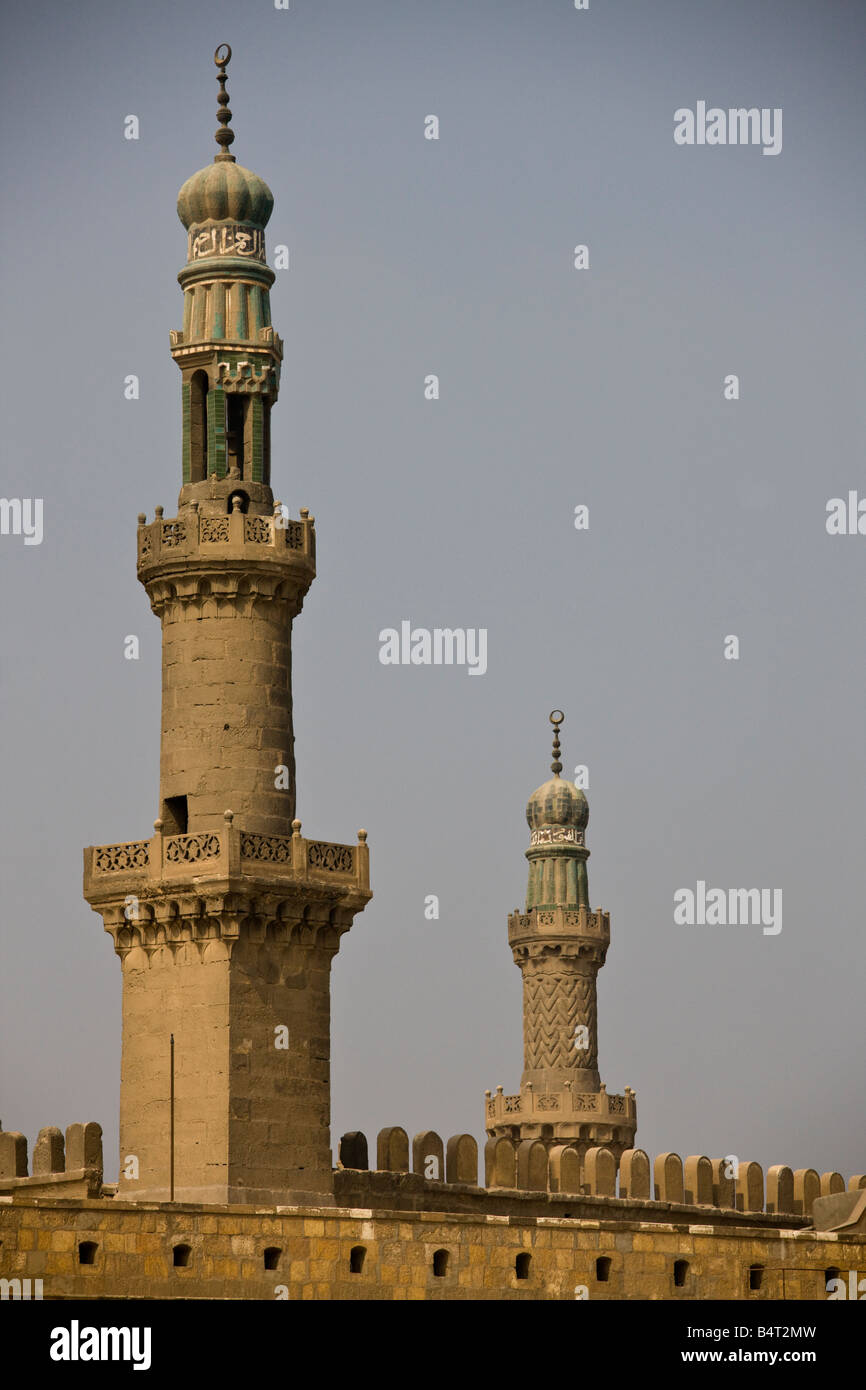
(560, 945)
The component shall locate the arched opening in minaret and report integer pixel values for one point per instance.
(198, 389)
(235, 429)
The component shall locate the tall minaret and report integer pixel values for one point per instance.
(226, 920)
(560, 946)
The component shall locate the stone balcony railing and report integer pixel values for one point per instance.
(574, 922)
(195, 535)
(569, 1104)
(230, 852)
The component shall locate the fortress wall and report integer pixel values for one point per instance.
(568, 1258)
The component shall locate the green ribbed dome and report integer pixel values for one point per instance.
(557, 803)
(224, 192)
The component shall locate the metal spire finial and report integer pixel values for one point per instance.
(225, 135)
(556, 718)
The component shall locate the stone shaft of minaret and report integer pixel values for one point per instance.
(560, 1036)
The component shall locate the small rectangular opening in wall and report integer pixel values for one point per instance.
(602, 1269)
(175, 816)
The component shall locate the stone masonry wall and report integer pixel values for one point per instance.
(280, 1102)
(227, 711)
(263, 1118)
(307, 1253)
(176, 991)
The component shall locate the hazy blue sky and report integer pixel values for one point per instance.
(558, 387)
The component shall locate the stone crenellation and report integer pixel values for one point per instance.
(509, 1166)
(70, 1166)
(532, 1166)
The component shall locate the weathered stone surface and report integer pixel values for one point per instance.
(84, 1147)
(724, 1182)
(353, 1150)
(750, 1187)
(565, 1168)
(532, 1165)
(135, 1244)
(13, 1154)
(392, 1150)
(635, 1178)
(780, 1189)
(599, 1172)
(48, 1154)
(461, 1159)
(668, 1178)
(698, 1180)
(807, 1186)
(841, 1211)
(428, 1156)
(500, 1163)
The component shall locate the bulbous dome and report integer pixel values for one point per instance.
(557, 803)
(224, 191)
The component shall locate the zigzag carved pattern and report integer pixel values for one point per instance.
(554, 1003)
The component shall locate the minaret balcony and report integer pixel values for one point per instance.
(559, 925)
(566, 1106)
(193, 540)
(127, 883)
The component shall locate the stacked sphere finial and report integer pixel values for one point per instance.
(225, 135)
(557, 802)
(556, 717)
